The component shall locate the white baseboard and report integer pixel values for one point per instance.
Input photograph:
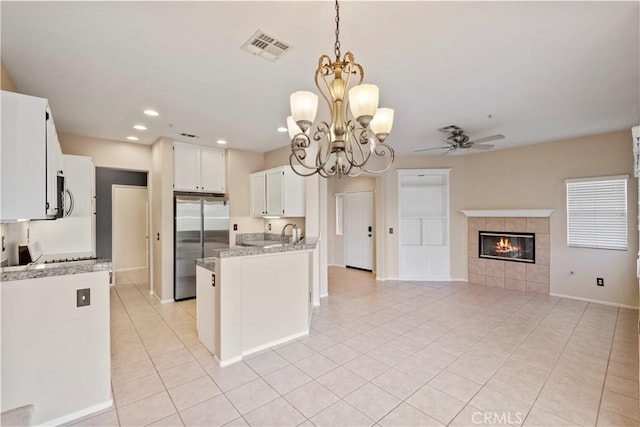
(337, 265)
(231, 361)
(83, 413)
(596, 301)
(228, 361)
(324, 295)
(162, 301)
(275, 342)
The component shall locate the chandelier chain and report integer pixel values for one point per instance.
(336, 46)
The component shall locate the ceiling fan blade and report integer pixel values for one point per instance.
(429, 149)
(488, 138)
(482, 146)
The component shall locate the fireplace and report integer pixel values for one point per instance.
(506, 246)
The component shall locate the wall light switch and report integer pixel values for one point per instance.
(235, 227)
(391, 230)
(83, 297)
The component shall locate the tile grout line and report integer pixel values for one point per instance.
(555, 364)
(157, 372)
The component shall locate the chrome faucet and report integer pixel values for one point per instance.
(284, 228)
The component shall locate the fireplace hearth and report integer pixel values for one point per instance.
(506, 246)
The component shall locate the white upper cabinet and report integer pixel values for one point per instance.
(198, 168)
(258, 194)
(278, 192)
(31, 159)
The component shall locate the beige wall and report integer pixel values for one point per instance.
(108, 153)
(240, 164)
(388, 266)
(129, 227)
(343, 185)
(6, 82)
(534, 177)
(162, 218)
(277, 157)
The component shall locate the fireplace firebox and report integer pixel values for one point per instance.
(506, 246)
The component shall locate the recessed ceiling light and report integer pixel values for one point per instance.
(221, 141)
(139, 127)
(132, 138)
(282, 129)
(153, 113)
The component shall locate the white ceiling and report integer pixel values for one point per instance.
(544, 70)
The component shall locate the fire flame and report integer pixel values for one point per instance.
(504, 246)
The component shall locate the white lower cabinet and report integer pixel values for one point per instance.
(278, 192)
(207, 306)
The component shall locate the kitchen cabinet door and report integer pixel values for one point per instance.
(258, 194)
(186, 159)
(275, 192)
(212, 170)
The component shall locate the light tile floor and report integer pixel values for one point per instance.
(391, 354)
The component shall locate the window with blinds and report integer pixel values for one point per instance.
(597, 212)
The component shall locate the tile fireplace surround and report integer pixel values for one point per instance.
(509, 274)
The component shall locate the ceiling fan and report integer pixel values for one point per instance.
(457, 140)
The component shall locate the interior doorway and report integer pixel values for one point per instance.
(359, 230)
(130, 241)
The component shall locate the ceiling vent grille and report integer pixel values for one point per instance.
(266, 46)
(189, 135)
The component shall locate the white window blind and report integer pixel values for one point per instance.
(597, 213)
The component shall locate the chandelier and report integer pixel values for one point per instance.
(347, 143)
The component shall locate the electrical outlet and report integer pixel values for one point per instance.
(600, 281)
(83, 297)
(235, 227)
(269, 226)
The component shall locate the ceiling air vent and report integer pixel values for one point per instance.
(266, 46)
(189, 135)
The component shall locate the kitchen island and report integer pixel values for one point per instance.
(253, 297)
(55, 352)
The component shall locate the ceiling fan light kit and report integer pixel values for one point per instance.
(344, 145)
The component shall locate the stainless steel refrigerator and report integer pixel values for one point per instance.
(201, 225)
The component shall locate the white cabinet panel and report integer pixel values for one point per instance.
(186, 167)
(198, 168)
(424, 224)
(278, 192)
(258, 194)
(212, 170)
(207, 309)
(275, 192)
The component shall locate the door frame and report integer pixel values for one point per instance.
(147, 227)
(373, 227)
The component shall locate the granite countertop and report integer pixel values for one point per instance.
(257, 247)
(35, 271)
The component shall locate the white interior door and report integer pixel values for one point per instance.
(129, 227)
(358, 230)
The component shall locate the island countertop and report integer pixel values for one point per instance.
(209, 263)
(35, 271)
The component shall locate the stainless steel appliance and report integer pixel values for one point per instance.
(201, 225)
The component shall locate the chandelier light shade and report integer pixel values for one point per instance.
(345, 144)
